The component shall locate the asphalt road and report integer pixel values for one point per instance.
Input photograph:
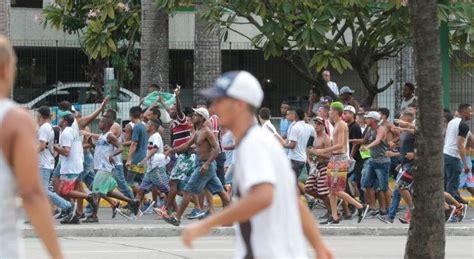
(222, 247)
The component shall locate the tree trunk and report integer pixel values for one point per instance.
(154, 46)
(426, 233)
(207, 57)
(154, 54)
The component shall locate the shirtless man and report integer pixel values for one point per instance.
(316, 185)
(19, 169)
(339, 165)
(204, 174)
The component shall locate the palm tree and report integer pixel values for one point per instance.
(154, 46)
(5, 18)
(207, 56)
(426, 233)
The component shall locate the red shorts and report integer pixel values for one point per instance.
(67, 183)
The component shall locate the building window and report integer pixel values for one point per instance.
(27, 3)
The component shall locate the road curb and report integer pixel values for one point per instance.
(170, 231)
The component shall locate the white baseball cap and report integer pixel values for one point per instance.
(350, 108)
(373, 115)
(203, 112)
(240, 85)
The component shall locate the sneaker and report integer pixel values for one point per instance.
(56, 213)
(362, 212)
(347, 216)
(71, 219)
(404, 220)
(126, 213)
(408, 216)
(449, 213)
(63, 214)
(193, 211)
(82, 216)
(385, 219)
(134, 207)
(162, 212)
(460, 212)
(116, 207)
(173, 221)
(330, 221)
(205, 215)
(197, 214)
(91, 219)
(146, 209)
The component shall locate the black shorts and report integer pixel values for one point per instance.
(297, 167)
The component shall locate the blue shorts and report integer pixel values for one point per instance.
(198, 181)
(376, 175)
(158, 178)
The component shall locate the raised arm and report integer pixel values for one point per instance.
(86, 120)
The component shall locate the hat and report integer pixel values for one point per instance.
(326, 99)
(373, 115)
(203, 112)
(350, 108)
(318, 119)
(346, 90)
(240, 85)
(62, 114)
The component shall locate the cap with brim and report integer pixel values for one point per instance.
(203, 112)
(350, 109)
(318, 119)
(62, 114)
(240, 85)
(346, 90)
(373, 115)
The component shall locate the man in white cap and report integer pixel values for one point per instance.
(264, 181)
(347, 99)
(204, 175)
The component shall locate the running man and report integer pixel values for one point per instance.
(339, 165)
(268, 199)
(204, 174)
(137, 151)
(18, 144)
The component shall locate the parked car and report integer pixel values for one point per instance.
(82, 97)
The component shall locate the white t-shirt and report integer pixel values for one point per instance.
(228, 140)
(260, 159)
(333, 87)
(103, 151)
(71, 164)
(46, 134)
(456, 128)
(269, 127)
(158, 159)
(300, 134)
(75, 127)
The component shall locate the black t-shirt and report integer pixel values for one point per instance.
(355, 133)
(463, 129)
(407, 144)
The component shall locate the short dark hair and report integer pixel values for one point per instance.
(384, 111)
(448, 117)
(111, 113)
(108, 120)
(410, 85)
(45, 112)
(299, 113)
(65, 106)
(463, 106)
(188, 111)
(69, 118)
(156, 123)
(264, 113)
(135, 111)
(316, 91)
(326, 107)
(285, 102)
(156, 110)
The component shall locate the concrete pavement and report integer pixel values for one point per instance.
(151, 226)
(223, 247)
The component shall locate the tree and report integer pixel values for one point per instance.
(154, 46)
(107, 31)
(426, 233)
(315, 35)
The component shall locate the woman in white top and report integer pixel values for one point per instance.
(17, 145)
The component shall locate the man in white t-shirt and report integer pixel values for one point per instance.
(264, 115)
(331, 84)
(298, 137)
(46, 154)
(454, 150)
(69, 147)
(264, 182)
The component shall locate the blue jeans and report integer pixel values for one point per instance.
(395, 203)
(209, 179)
(54, 197)
(87, 176)
(452, 171)
(376, 176)
(122, 185)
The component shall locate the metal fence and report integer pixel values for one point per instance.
(41, 64)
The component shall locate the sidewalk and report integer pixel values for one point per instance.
(150, 226)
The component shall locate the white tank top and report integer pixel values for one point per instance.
(118, 158)
(103, 150)
(10, 243)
